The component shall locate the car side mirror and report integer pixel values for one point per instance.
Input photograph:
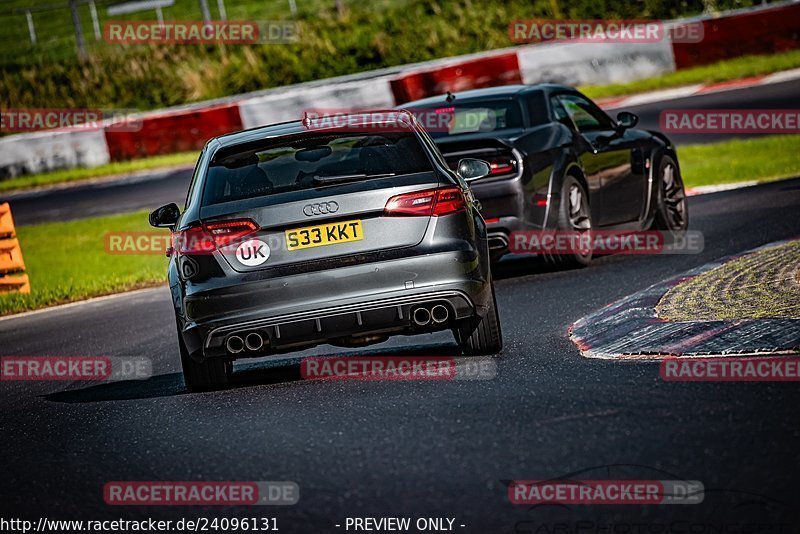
(165, 216)
(471, 169)
(626, 119)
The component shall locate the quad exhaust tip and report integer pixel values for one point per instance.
(421, 316)
(437, 314)
(440, 313)
(234, 344)
(253, 341)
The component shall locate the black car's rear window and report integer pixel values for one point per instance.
(456, 117)
(306, 161)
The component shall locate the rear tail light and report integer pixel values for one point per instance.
(501, 165)
(208, 237)
(431, 202)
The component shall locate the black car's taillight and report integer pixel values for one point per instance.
(502, 165)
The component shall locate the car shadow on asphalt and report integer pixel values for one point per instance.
(518, 266)
(254, 373)
(286, 370)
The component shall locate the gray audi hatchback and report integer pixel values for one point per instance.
(319, 231)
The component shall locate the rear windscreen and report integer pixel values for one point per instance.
(469, 117)
(303, 162)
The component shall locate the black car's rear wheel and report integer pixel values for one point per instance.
(574, 216)
(209, 375)
(672, 214)
(487, 337)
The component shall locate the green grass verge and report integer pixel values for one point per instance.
(762, 158)
(757, 286)
(723, 71)
(67, 261)
(70, 175)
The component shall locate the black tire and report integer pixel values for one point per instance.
(672, 214)
(206, 376)
(487, 337)
(571, 218)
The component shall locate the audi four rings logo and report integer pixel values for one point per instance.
(320, 208)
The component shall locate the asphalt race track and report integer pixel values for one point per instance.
(771, 96)
(416, 449)
(142, 191)
(149, 191)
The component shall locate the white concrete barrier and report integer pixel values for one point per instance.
(285, 105)
(594, 63)
(52, 150)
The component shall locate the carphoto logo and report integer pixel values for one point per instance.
(235, 32)
(731, 369)
(203, 493)
(720, 121)
(397, 368)
(604, 242)
(88, 368)
(606, 492)
(68, 119)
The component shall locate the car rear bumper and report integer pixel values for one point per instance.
(307, 309)
(362, 319)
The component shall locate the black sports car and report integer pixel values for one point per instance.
(558, 162)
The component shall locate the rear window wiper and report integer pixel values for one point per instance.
(348, 177)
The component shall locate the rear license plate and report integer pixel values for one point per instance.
(324, 234)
